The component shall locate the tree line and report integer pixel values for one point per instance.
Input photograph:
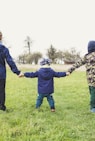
(57, 56)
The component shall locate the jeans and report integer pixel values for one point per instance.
(92, 96)
(49, 99)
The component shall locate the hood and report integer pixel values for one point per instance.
(91, 46)
(46, 73)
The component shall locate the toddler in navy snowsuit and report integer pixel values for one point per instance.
(45, 82)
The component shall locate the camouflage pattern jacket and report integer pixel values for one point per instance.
(89, 61)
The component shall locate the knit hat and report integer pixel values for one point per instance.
(91, 46)
(45, 62)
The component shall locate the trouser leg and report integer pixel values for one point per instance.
(51, 101)
(92, 96)
(2, 91)
(2, 94)
(39, 100)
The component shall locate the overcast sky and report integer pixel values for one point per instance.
(62, 23)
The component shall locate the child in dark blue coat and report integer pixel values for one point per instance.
(45, 82)
(5, 57)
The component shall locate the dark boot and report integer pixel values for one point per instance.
(3, 107)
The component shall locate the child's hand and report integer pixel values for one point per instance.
(67, 73)
(21, 74)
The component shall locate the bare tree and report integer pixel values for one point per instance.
(28, 43)
(22, 59)
(71, 56)
(36, 56)
(29, 58)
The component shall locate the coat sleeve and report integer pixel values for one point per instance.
(11, 63)
(77, 65)
(31, 74)
(59, 74)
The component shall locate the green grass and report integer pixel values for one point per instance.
(72, 120)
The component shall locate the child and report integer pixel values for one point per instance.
(5, 57)
(89, 61)
(45, 82)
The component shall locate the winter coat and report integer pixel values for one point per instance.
(5, 57)
(89, 61)
(45, 79)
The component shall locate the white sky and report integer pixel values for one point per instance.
(62, 23)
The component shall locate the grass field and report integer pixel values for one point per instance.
(72, 120)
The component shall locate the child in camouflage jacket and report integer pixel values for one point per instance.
(89, 61)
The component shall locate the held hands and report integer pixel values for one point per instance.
(67, 73)
(21, 74)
